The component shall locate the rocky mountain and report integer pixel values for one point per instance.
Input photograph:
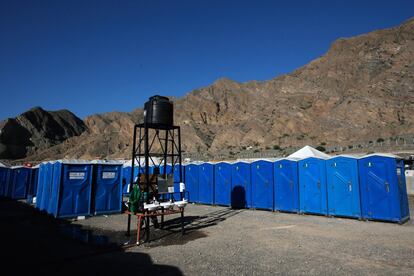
(35, 130)
(361, 89)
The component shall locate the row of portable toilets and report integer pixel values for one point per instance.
(66, 188)
(18, 182)
(79, 188)
(371, 187)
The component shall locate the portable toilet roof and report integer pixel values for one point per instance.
(352, 156)
(18, 167)
(3, 165)
(289, 159)
(389, 155)
(308, 151)
(106, 162)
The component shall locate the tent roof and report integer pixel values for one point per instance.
(308, 151)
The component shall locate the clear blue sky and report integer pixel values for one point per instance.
(100, 56)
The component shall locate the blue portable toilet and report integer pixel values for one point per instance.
(71, 190)
(262, 184)
(191, 182)
(4, 179)
(241, 186)
(20, 179)
(286, 185)
(383, 188)
(206, 183)
(107, 187)
(222, 183)
(312, 186)
(343, 186)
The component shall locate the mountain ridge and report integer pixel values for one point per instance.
(360, 89)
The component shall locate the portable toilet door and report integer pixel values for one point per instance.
(343, 187)
(73, 194)
(222, 183)
(241, 185)
(20, 182)
(312, 186)
(383, 188)
(206, 183)
(107, 188)
(286, 185)
(262, 184)
(191, 182)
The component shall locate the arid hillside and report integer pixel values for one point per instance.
(360, 90)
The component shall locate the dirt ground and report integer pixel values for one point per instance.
(218, 241)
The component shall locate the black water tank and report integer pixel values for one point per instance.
(159, 110)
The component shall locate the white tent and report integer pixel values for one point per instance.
(142, 161)
(308, 151)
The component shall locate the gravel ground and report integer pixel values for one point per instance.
(218, 241)
(221, 241)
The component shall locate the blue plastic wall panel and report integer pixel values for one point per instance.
(4, 180)
(191, 182)
(312, 186)
(74, 183)
(222, 183)
(402, 188)
(286, 185)
(9, 184)
(241, 186)
(343, 187)
(126, 172)
(383, 191)
(262, 184)
(206, 183)
(107, 189)
(20, 180)
(54, 185)
(40, 185)
(46, 192)
(32, 189)
(177, 180)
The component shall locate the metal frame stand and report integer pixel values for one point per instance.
(152, 141)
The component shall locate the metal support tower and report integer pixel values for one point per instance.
(155, 145)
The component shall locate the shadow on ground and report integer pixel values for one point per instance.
(35, 242)
(193, 225)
